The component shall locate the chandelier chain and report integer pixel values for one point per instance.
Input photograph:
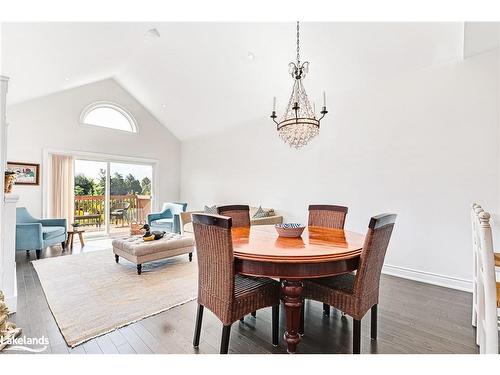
(298, 47)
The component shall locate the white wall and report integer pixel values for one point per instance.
(53, 122)
(423, 145)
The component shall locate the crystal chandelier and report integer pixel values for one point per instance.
(298, 124)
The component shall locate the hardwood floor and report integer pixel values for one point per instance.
(413, 318)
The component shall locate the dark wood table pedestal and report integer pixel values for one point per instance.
(292, 299)
(320, 252)
(292, 276)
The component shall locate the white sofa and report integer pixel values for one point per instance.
(273, 218)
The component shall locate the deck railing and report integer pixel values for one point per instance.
(90, 209)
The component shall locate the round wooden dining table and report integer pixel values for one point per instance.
(319, 252)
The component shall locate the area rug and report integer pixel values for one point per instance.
(90, 295)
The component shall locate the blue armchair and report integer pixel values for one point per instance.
(169, 217)
(37, 234)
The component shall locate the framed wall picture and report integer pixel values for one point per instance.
(27, 173)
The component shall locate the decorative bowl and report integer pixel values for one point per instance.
(289, 229)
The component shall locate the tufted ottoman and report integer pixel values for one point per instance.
(137, 251)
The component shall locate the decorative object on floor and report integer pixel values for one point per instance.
(71, 235)
(212, 210)
(89, 295)
(138, 250)
(8, 330)
(298, 124)
(9, 179)
(156, 234)
(290, 229)
(137, 223)
(136, 228)
(27, 173)
(37, 234)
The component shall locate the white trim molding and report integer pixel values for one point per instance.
(3, 151)
(428, 277)
(8, 278)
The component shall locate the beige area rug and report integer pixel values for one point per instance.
(90, 295)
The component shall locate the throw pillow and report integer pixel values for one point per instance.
(260, 213)
(212, 210)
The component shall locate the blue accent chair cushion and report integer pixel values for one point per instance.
(168, 219)
(51, 232)
(37, 234)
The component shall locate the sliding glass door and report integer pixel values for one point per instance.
(110, 196)
(130, 195)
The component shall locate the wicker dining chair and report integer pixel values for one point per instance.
(228, 295)
(355, 294)
(327, 216)
(239, 213)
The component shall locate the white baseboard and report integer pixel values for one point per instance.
(428, 277)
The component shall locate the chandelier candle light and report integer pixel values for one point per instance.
(298, 124)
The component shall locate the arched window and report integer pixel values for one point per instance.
(108, 115)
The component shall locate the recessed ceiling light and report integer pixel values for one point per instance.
(66, 79)
(152, 33)
(164, 106)
(251, 56)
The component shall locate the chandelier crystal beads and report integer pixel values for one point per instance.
(299, 124)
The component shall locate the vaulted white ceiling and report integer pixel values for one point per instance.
(199, 77)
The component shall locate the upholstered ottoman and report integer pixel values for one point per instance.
(138, 251)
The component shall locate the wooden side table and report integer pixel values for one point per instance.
(71, 234)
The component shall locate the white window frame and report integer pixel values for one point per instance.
(100, 157)
(117, 107)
